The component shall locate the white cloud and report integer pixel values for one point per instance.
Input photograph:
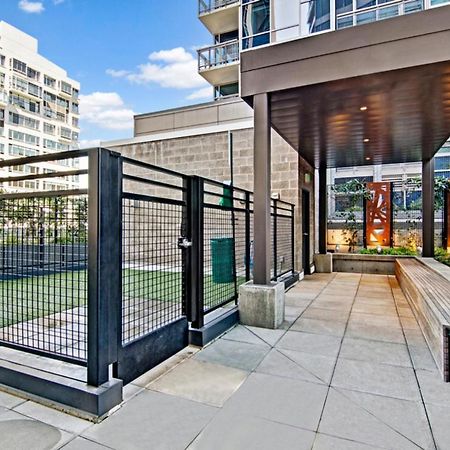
(202, 93)
(86, 143)
(58, 2)
(106, 110)
(175, 68)
(117, 73)
(31, 7)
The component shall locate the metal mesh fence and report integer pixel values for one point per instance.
(219, 257)
(154, 212)
(43, 278)
(284, 242)
(152, 294)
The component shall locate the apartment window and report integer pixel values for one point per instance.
(63, 147)
(75, 108)
(24, 103)
(66, 87)
(24, 169)
(52, 145)
(18, 119)
(60, 117)
(48, 97)
(20, 84)
(18, 150)
(66, 133)
(75, 122)
(2, 150)
(2, 79)
(2, 119)
(226, 90)
(34, 90)
(19, 66)
(23, 184)
(49, 81)
(23, 137)
(2, 60)
(75, 93)
(255, 23)
(62, 102)
(442, 163)
(49, 128)
(33, 74)
(75, 136)
(315, 16)
(48, 112)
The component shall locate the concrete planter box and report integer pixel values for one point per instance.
(357, 263)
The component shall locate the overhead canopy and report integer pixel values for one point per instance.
(377, 93)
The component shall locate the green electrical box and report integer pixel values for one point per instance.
(222, 251)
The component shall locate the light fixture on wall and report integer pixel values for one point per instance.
(368, 158)
(363, 108)
(366, 140)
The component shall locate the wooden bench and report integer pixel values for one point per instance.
(428, 293)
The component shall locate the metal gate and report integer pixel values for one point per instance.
(153, 325)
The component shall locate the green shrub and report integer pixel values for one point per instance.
(396, 251)
(442, 256)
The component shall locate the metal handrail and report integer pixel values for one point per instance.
(218, 55)
(206, 6)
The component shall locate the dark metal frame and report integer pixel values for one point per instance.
(106, 174)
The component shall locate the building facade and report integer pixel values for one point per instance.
(196, 139)
(39, 110)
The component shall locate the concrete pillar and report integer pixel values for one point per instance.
(261, 303)
(262, 189)
(428, 208)
(323, 210)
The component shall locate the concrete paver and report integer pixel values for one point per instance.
(349, 370)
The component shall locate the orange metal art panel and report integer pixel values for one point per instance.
(379, 215)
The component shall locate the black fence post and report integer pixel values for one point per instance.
(104, 263)
(275, 236)
(248, 248)
(195, 214)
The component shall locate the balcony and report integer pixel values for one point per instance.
(219, 16)
(219, 64)
(3, 97)
(317, 17)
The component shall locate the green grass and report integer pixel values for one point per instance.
(30, 298)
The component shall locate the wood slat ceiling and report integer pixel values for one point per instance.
(407, 117)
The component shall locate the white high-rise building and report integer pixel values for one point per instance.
(38, 110)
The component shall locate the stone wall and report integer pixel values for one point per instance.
(207, 156)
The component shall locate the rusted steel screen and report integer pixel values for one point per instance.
(379, 215)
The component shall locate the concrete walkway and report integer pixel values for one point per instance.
(349, 370)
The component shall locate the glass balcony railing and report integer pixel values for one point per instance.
(267, 22)
(218, 55)
(207, 6)
(378, 12)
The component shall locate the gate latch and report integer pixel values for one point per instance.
(184, 243)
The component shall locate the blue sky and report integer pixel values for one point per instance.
(130, 56)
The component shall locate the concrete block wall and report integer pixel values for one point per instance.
(207, 155)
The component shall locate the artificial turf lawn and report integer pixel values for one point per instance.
(39, 296)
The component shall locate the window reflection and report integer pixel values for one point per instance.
(315, 16)
(255, 23)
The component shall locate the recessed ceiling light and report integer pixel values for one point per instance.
(363, 108)
(368, 158)
(366, 140)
